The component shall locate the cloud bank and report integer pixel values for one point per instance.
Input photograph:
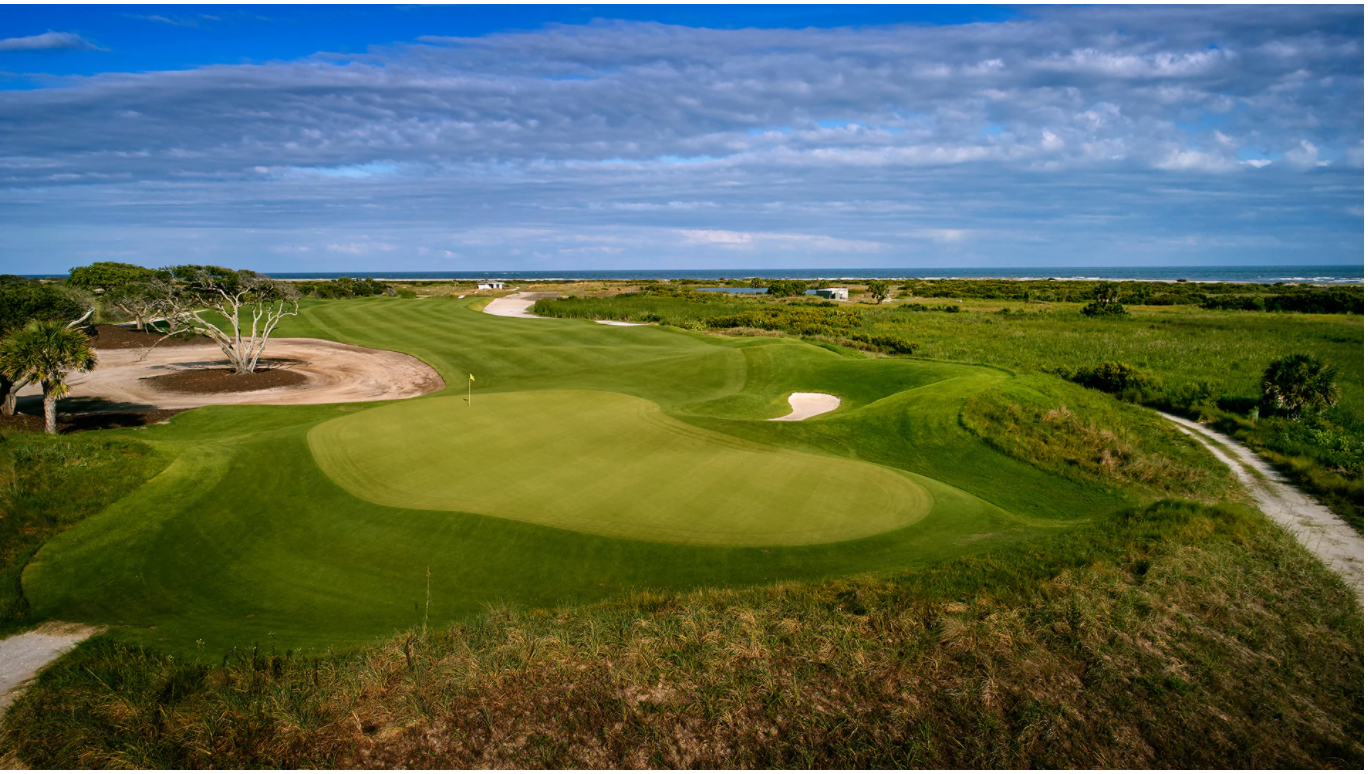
(1111, 136)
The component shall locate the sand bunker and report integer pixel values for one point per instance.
(333, 373)
(809, 404)
(517, 305)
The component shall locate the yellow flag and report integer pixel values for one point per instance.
(472, 377)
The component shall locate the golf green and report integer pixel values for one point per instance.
(608, 464)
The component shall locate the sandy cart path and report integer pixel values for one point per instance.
(334, 373)
(808, 404)
(1317, 527)
(23, 656)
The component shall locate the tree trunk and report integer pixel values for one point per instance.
(139, 323)
(8, 396)
(49, 411)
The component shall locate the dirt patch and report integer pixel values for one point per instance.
(212, 381)
(120, 337)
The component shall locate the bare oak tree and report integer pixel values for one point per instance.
(144, 301)
(217, 302)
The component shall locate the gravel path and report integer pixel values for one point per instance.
(1317, 527)
(808, 404)
(23, 656)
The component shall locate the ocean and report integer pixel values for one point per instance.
(1259, 274)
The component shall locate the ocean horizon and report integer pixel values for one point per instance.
(1323, 274)
(1253, 274)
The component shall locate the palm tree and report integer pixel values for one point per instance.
(1299, 382)
(44, 352)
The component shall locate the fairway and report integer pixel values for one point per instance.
(608, 464)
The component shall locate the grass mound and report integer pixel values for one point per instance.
(1171, 636)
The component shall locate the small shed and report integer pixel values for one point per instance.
(838, 294)
(491, 285)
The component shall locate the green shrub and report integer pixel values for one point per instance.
(783, 288)
(1114, 377)
(885, 342)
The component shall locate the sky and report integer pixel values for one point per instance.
(451, 138)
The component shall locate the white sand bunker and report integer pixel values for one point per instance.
(333, 373)
(518, 304)
(809, 404)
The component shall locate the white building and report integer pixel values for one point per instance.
(491, 285)
(839, 294)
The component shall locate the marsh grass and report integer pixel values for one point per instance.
(1174, 636)
(1096, 440)
(49, 485)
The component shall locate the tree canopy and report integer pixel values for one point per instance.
(23, 303)
(104, 275)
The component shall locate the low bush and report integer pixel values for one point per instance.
(1112, 376)
(342, 287)
(885, 342)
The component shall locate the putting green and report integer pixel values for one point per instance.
(608, 464)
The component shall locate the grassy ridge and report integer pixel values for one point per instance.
(1173, 636)
(51, 484)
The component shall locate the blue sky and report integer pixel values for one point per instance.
(317, 138)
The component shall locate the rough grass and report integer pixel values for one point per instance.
(1093, 438)
(1174, 636)
(47, 485)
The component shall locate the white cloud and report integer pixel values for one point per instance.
(48, 41)
(753, 240)
(1306, 155)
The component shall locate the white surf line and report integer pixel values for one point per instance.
(518, 304)
(808, 404)
(23, 656)
(1317, 527)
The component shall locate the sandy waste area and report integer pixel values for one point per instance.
(334, 373)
